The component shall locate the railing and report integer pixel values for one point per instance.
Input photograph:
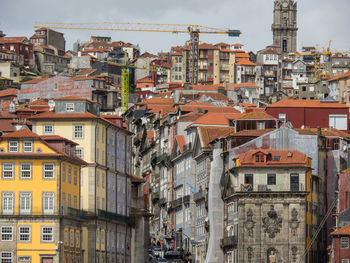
(246, 187)
(229, 241)
(113, 216)
(177, 202)
(186, 199)
(199, 196)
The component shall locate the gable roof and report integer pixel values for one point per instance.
(344, 231)
(245, 62)
(209, 134)
(8, 92)
(291, 103)
(206, 87)
(180, 139)
(34, 81)
(216, 119)
(341, 76)
(24, 133)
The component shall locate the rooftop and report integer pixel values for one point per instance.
(291, 103)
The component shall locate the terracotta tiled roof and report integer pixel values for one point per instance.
(273, 158)
(344, 231)
(56, 138)
(86, 71)
(68, 98)
(12, 39)
(341, 76)
(245, 62)
(257, 115)
(327, 132)
(206, 87)
(222, 44)
(248, 105)
(251, 133)
(150, 135)
(207, 108)
(209, 134)
(53, 115)
(25, 133)
(246, 84)
(136, 179)
(6, 125)
(216, 119)
(85, 78)
(207, 46)
(189, 117)
(34, 81)
(39, 102)
(166, 101)
(291, 103)
(8, 92)
(242, 55)
(147, 79)
(180, 142)
(237, 45)
(214, 96)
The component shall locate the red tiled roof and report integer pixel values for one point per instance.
(341, 76)
(180, 142)
(86, 71)
(206, 87)
(247, 105)
(12, 39)
(327, 132)
(166, 101)
(251, 133)
(53, 115)
(8, 92)
(244, 62)
(39, 102)
(203, 108)
(286, 158)
(147, 79)
(344, 231)
(246, 84)
(207, 46)
(291, 103)
(68, 98)
(257, 115)
(150, 135)
(216, 119)
(85, 78)
(136, 179)
(6, 125)
(214, 96)
(34, 81)
(242, 55)
(209, 134)
(56, 138)
(25, 133)
(237, 45)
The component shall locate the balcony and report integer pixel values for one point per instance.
(113, 216)
(228, 242)
(247, 187)
(186, 199)
(177, 202)
(199, 196)
(162, 201)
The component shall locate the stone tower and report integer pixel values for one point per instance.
(284, 27)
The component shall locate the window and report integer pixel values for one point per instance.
(344, 243)
(69, 106)
(6, 233)
(71, 238)
(24, 258)
(27, 146)
(69, 174)
(7, 203)
(103, 134)
(271, 179)
(48, 129)
(282, 117)
(48, 203)
(284, 45)
(26, 170)
(77, 237)
(75, 176)
(103, 181)
(248, 179)
(97, 133)
(64, 172)
(75, 202)
(49, 170)
(46, 234)
(261, 125)
(6, 257)
(294, 182)
(345, 260)
(78, 152)
(65, 237)
(69, 201)
(13, 146)
(24, 233)
(8, 170)
(25, 204)
(78, 131)
(338, 121)
(98, 179)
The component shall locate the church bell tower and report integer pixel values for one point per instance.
(284, 27)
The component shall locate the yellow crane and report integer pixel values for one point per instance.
(193, 30)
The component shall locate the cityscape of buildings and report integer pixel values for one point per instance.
(207, 153)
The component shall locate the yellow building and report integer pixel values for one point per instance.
(40, 189)
(107, 233)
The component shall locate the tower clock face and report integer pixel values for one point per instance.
(285, 4)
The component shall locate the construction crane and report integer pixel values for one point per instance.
(193, 30)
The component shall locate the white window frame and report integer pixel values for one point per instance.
(13, 146)
(27, 148)
(6, 259)
(79, 152)
(48, 203)
(282, 117)
(46, 171)
(5, 203)
(25, 208)
(7, 170)
(78, 134)
(27, 235)
(47, 131)
(47, 234)
(344, 243)
(24, 171)
(69, 107)
(345, 260)
(8, 235)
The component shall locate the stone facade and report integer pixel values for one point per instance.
(284, 25)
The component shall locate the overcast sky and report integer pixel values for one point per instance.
(318, 20)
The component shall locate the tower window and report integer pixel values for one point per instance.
(284, 45)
